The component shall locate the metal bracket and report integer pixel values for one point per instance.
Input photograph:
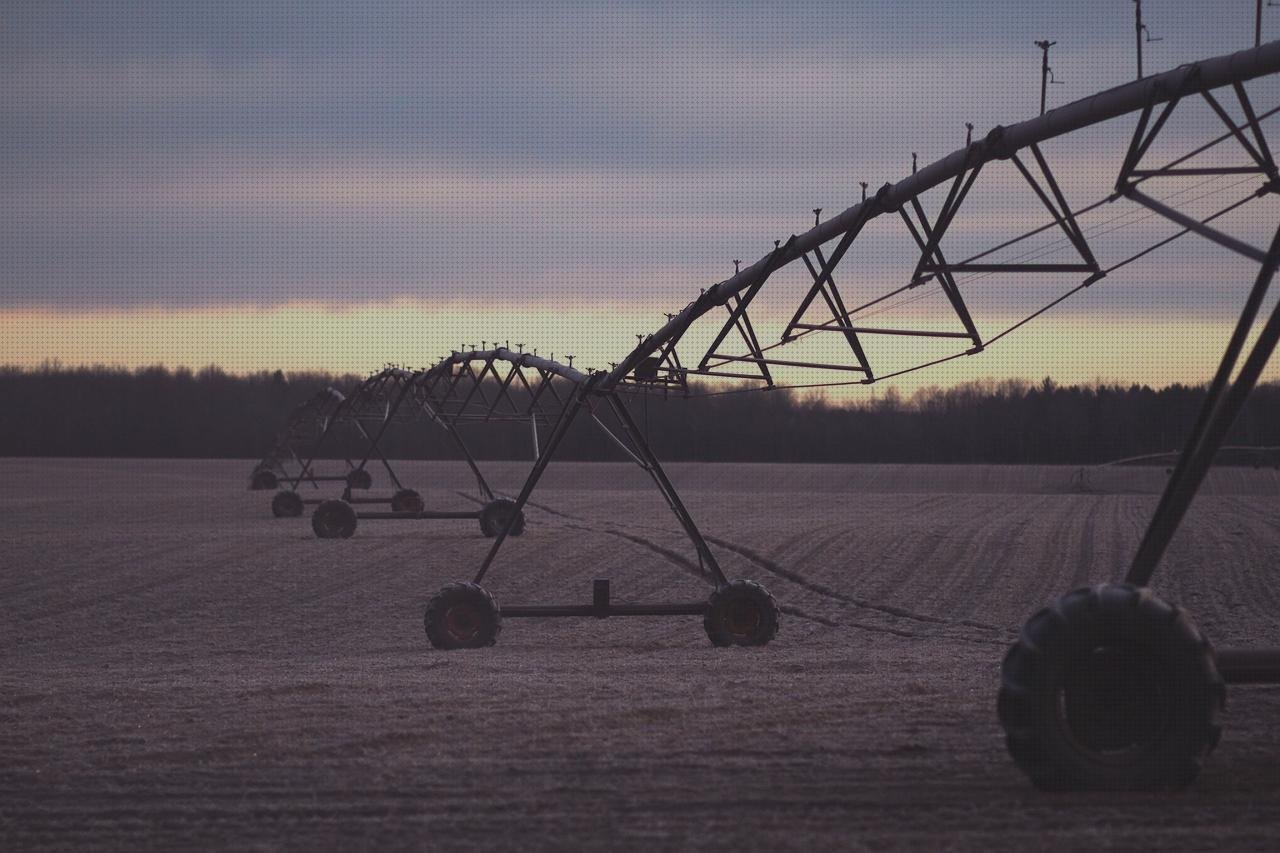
(1257, 148)
(737, 305)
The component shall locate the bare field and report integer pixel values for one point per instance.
(182, 670)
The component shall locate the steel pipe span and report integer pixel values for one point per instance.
(367, 391)
(520, 359)
(319, 401)
(999, 144)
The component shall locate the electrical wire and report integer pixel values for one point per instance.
(1063, 243)
(992, 341)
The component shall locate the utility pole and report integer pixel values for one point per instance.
(1046, 73)
(1257, 21)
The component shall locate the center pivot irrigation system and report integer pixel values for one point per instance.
(1109, 687)
(312, 427)
(304, 423)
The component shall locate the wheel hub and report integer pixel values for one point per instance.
(462, 621)
(741, 618)
(1112, 701)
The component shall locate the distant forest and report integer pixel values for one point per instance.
(156, 412)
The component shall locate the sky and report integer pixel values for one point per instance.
(324, 185)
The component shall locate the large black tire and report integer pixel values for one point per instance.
(334, 520)
(494, 516)
(1110, 688)
(741, 613)
(264, 481)
(407, 500)
(286, 504)
(462, 616)
(359, 479)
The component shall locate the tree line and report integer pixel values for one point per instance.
(157, 412)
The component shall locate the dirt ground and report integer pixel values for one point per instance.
(180, 669)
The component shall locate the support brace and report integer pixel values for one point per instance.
(1221, 406)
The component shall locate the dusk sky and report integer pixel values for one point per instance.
(338, 185)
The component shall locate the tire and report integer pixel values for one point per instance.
(286, 504)
(359, 479)
(264, 481)
(334, 520)
(407, 500)
(741, 613)
(462, 616)
(1110, 688)
(494, 516)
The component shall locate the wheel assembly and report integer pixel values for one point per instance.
(263, 481)
(496, 514)
(359, 479)
(334, 520)
(462, 616)
(286, 504)
(407, 500)
(1110, 688)
(741, 613)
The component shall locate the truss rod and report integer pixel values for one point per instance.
(1221, 406)
(725, 359)
(873, 330)
(1196, 225)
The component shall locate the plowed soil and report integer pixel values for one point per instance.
(182, 670)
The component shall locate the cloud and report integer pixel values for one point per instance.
(611, 158)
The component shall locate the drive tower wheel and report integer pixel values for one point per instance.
(741, 613)
(286, 504)
(359, 478)
(263, 481)
(407, 500)
(462, 616)
(1110, 688)
(334, 520)
(496, 513)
